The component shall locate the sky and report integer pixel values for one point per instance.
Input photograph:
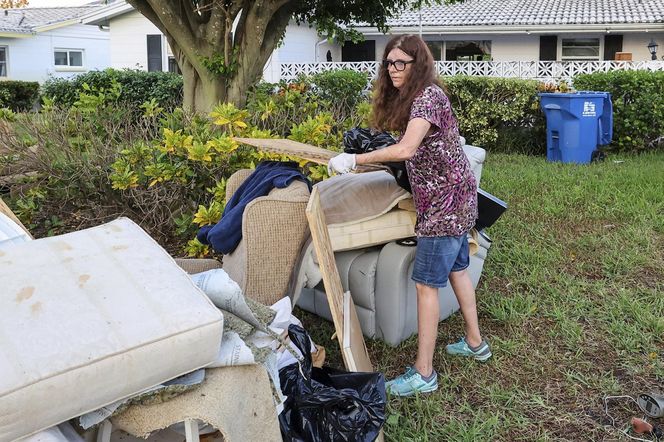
(55, 3)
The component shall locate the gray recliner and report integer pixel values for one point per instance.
(379, 280)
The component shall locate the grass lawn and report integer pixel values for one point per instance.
(571, 299)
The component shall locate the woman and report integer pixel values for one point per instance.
(410, 100)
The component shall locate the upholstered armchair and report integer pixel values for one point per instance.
(273, 230)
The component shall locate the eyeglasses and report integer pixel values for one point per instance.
(399, 65)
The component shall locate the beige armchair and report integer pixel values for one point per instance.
(273, 231)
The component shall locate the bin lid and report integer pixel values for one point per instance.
(580, 94)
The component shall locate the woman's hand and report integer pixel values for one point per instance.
(342, 163)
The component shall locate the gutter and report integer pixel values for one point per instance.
(509, 29)
(102, 16)
(57, 25)
(17, 34)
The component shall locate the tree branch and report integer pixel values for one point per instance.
(241, 28)
(194, 17)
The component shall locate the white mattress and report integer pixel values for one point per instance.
(390, 226)
(92, 317)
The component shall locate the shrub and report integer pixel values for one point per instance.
(343, 89)
(167, 170)
(498, 114)
(137, 87)
(18, 96)
(279, 106)
(638, 106)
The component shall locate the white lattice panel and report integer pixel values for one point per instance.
(540, 70)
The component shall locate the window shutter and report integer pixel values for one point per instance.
(612, 44)
(154, 53)
(548, 48)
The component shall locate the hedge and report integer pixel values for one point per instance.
(638, 106)
(498, 114)
(19, 96)
(137, 87)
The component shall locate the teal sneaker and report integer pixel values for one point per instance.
(412, 382)
(461, 348)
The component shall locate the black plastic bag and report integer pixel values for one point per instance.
(360, 140)
(327, 404)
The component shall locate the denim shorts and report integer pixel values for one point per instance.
(437, 256)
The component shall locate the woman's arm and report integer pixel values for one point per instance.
(416, 130)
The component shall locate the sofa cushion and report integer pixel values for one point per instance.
(390, 226)
(359, 197)
(92, 317)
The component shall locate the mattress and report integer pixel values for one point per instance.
(390, 226)
(92, 317)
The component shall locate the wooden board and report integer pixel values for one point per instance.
(347, 326)
(300, 150)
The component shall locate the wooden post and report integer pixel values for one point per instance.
(346, 323)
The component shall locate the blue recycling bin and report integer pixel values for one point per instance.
(576, 123)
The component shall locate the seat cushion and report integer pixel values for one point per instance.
(92, 317)
(390, 226)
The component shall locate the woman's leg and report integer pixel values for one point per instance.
(428, 312)
(465, 294)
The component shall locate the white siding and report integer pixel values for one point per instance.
(129, 43)
(301, 44)
(637, 44)
(31, 58)
(522, 47)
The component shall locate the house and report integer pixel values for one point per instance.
(525, 30)
(474, 30)
(136, 43)
(38, 43)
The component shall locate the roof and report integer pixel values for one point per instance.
(102, 16)
(33, 20)
(534, 13)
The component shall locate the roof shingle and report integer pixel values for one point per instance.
(534, 12)
(26, 20)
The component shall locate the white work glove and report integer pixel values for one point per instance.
(342, 163)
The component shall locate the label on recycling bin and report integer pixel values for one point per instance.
(589, 109)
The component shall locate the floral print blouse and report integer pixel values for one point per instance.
(444, 187)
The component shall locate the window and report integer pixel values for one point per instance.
(3, 61)
(464, 50)
(154, 53)
(580, 49)
(173, 65)
(436, 48)
(68, 58)
(479, 50)
(362, 51)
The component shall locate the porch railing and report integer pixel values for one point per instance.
(539, 70)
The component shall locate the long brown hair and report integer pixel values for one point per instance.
(391, 106)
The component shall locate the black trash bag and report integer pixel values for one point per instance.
(360, 140)
(327, 404)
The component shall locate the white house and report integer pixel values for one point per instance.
(509, 31)
(136, 43)
(36, 43)
(525, 30)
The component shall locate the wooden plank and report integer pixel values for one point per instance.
(7, 211)
(354, 347)
(355, 356)
(300, 150)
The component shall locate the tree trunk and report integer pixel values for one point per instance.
(194, 38)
